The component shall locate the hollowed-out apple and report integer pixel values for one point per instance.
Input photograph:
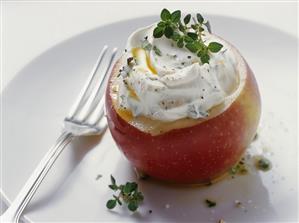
(188, 151)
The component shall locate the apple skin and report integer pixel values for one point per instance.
(196, 154)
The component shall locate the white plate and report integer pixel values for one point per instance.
(36, 101)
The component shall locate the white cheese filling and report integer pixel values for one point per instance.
(168, 83)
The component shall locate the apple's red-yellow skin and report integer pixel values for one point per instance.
(196, 154)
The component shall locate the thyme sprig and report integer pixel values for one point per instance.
(128, 194)
(186, 34)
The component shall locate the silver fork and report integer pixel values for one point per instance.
(85, 118)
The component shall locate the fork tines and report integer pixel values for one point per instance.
(88, 108)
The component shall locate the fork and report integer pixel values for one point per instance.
(86, 117)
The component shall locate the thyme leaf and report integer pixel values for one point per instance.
(127, 193)
(185, 34)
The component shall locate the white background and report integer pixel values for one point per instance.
(30, 28)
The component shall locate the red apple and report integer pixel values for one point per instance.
(197, 153)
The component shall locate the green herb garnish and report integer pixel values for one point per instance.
(146, 45)
(263, 164)
(128, 194)
(240, 168)
(235, 169)
(210, 203)
(185, 34)
(157, 51)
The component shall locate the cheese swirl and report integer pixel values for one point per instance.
(167, 83)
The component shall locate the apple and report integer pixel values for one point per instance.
(198, 153)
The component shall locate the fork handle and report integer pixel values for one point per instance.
(13, 213)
